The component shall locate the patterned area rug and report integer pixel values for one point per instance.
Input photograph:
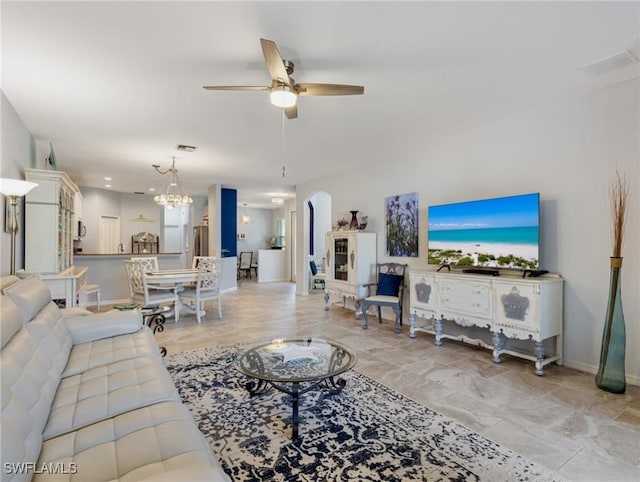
(366, 432)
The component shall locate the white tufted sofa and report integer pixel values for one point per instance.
(88, 397)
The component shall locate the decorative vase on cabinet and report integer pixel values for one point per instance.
(354, 220)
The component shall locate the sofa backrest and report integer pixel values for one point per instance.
(43, 319)
(8, 280)
(30, 294)
(28, 385)
(35, 349)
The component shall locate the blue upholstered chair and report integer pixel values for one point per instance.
(389, 292)
(317, 278)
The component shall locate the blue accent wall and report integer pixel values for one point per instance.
(312, 223)
(229, 222)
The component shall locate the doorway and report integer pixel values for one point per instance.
(109, 233)
(320, 203)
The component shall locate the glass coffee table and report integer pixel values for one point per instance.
(295, 366)
(154, 318)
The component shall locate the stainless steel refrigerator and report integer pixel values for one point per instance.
(200, 241)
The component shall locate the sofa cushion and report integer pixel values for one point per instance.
(30, 294)
(106, 391)
(149, 443)
(103, 325)
(11, 320)
(7, 281)
(108, 350)
(53, 337)
(29, 383)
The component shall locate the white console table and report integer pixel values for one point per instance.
(68, 285)
(510, 307)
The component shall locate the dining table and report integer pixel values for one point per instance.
(177, 277)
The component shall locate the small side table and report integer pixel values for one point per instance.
(154, 318)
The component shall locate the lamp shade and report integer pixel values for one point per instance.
(283, 96)
(15, 187)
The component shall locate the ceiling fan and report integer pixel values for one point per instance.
(284, 89)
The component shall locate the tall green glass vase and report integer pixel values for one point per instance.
(611, 376)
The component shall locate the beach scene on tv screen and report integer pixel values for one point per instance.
(497, 233)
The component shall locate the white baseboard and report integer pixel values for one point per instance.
(583, 367)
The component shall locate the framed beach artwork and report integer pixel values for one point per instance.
(402, 225)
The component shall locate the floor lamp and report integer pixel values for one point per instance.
(14, 189)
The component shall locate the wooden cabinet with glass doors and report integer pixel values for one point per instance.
(49, 232)
(350, 265)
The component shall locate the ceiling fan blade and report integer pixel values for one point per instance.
(275, 63)
(291, 112)
(329, 89)
(245, 88)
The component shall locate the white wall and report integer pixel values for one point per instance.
(18, 151)
(128, 207)
(257, 232)
(568, 152)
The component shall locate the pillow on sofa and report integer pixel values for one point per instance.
(389, 284)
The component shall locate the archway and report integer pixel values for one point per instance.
(316, 222)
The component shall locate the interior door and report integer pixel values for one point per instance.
(109, 232)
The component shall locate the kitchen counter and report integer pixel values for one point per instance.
(108, 271)
(272, 264)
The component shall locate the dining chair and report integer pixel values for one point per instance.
(149, 263)
(244, 267)
(254, 263)
(207, 286)
(389, 292)
(194, 265)
(149, 294)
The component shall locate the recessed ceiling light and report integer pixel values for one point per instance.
(152, 189)
(107, 185)
(107, 179)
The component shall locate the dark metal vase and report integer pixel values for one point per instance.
(611, 374)
(354, 220)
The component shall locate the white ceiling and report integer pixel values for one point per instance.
(115, 86)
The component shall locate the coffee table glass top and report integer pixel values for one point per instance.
(295, 360)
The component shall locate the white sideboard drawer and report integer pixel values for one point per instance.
(472, 298)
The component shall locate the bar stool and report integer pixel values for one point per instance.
(93, 289)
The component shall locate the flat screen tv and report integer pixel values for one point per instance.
(488, 233)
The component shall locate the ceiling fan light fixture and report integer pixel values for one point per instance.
(283, 96)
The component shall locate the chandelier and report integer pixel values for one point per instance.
(173, 194)
(244, 219)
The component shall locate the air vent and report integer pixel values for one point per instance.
(611, 63)
(185, 148)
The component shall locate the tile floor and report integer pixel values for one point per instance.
(561, 420)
